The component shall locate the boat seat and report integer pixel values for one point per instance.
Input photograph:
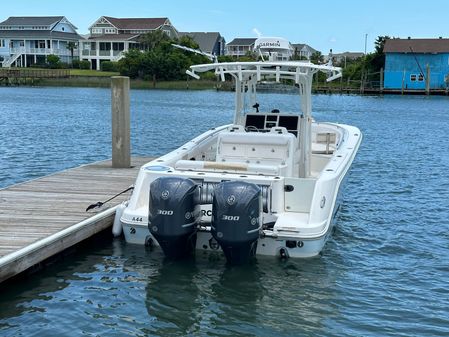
(212, 166)
(279, 129)
(271, 148)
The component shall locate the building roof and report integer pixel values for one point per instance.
(113, 37)
(300, 46)
(39, 34)
(349, 55)
(206, 40)
(242, 41)
(136, 23)
(31, 20)
(416, 45)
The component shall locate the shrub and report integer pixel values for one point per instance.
(76, 64)
(39, 65)
(84, 64)
(108, 66)
(53, 61)
(131, 63)
(209, 75)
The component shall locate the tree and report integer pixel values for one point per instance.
(317, 57)
(152, 39)
(71, 46)
(380, 43)
(187, 41)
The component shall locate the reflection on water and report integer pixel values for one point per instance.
(129, 290)
(384, 271)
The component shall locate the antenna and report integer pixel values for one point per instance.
(197, 51)
(329, 61)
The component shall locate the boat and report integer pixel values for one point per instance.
(269, 183)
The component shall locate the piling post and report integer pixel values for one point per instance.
(121, 140)
(403, 80)
(427, 79)
(381, 82)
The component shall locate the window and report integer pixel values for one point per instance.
(421, 77)
(2, 43)
(118, 46)
(97, 30)
(413, 77)
(105, 46)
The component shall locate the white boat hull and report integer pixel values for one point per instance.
(303, 218)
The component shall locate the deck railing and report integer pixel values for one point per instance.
(42, 51)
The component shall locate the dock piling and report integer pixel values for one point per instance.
(427, 79)
(120, 108)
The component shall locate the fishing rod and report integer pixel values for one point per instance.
(101, 203)
(416, 60)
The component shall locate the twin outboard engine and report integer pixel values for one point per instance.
(173, 214)
(236, 219)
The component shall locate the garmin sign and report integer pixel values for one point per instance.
(271, 43)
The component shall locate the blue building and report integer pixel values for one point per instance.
(27, 40)
(406, 62)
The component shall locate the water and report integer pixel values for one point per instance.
(384, 272)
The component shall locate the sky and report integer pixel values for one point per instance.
(342, 25)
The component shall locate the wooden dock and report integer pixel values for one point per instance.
(45, 216)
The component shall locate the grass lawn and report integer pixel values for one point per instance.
(87, 72)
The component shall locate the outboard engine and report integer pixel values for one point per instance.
(236, 219)
(173, 214)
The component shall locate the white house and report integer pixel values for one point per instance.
(28, 40)
(110, 37)
(240, 46)
(303, 51)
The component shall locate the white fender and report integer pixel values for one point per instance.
(117, 226)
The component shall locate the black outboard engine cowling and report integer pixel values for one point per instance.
(236, 211)
(173, 214)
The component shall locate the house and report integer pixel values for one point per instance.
(343, 58)
(407, 61)
(302, 51)
(110, 37)
(209, 42)
(27, 40)
(240, 46)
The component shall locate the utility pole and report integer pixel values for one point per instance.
(366, 37)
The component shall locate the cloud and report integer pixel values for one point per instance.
(257, 32)
(333, 40)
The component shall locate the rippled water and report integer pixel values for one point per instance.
(385, 271)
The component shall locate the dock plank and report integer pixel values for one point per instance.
(33, 211)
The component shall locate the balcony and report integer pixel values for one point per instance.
(43, 51)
